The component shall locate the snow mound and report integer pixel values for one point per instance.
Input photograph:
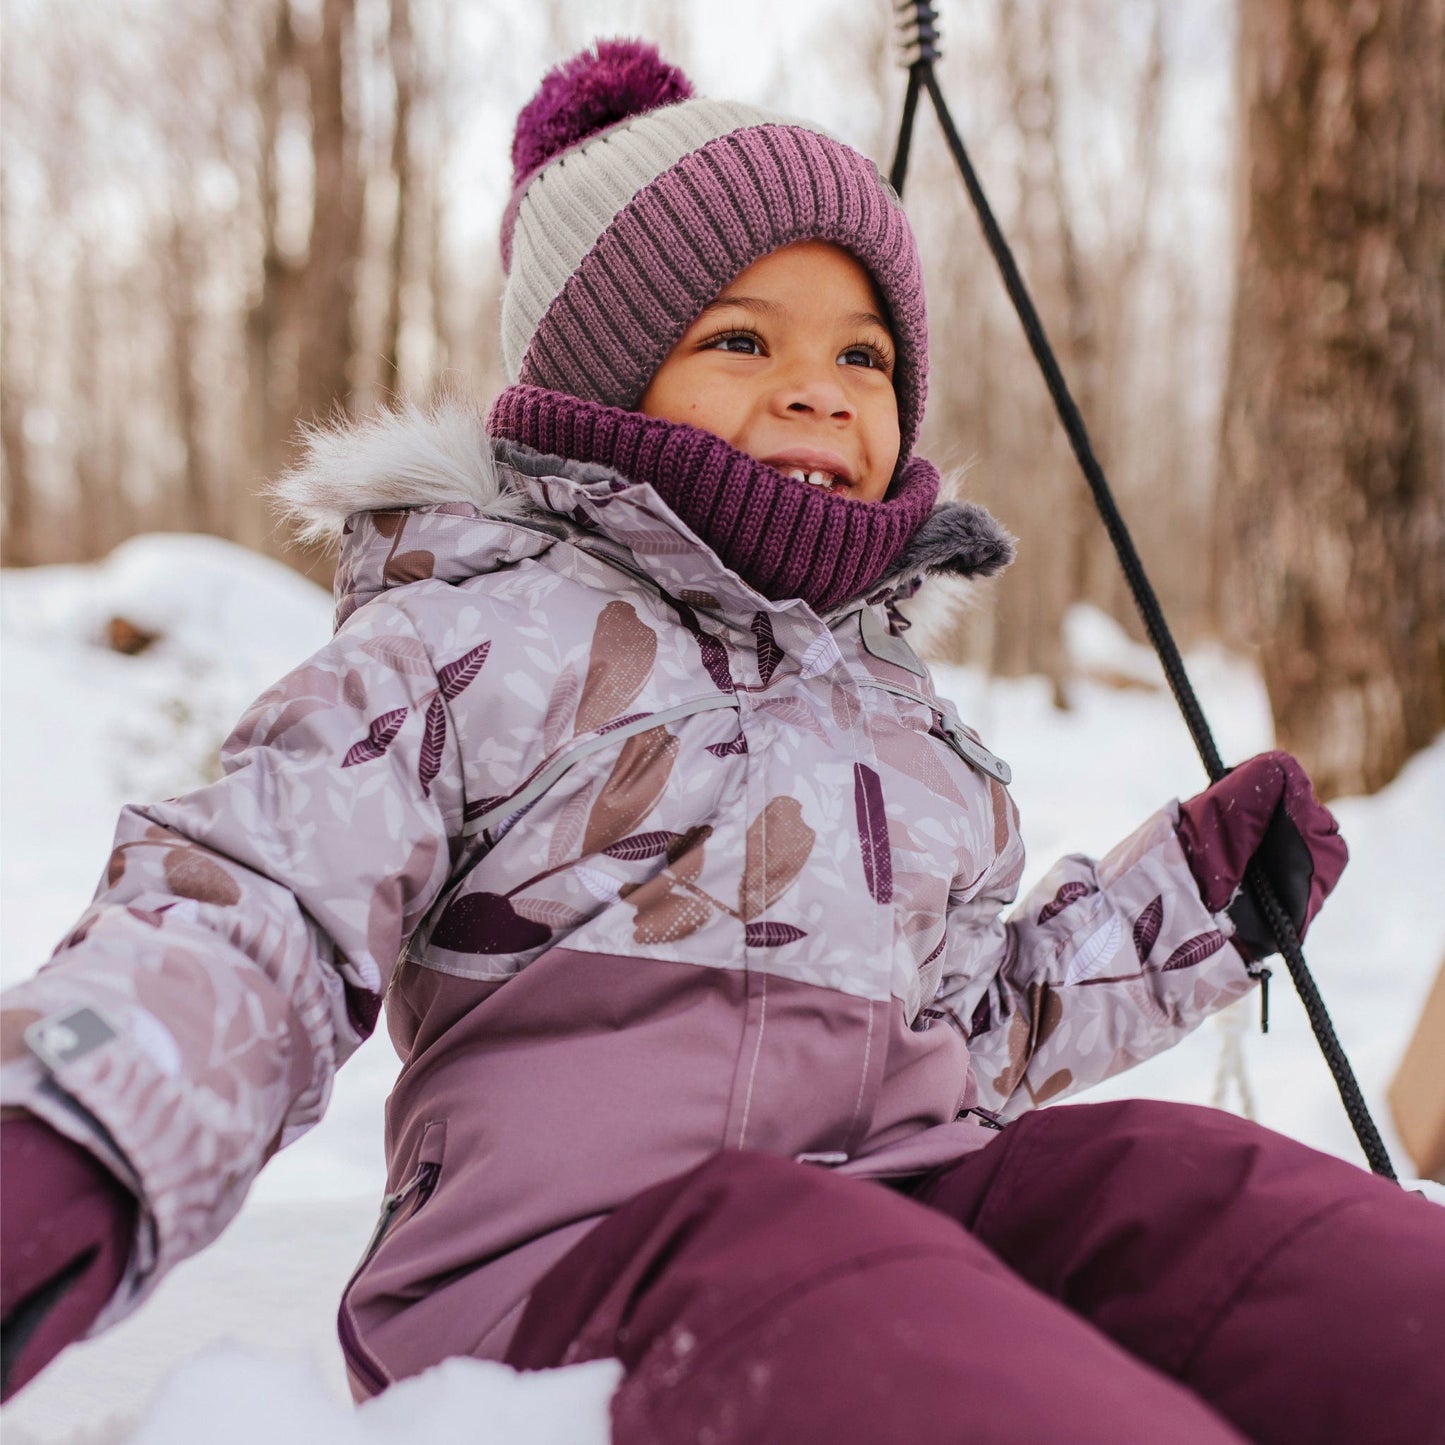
(202, 595)
(245, 1398)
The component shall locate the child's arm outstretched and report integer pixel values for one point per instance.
(237, 950)
(1107, 962)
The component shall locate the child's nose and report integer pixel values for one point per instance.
(816, 390)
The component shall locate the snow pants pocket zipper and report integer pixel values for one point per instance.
(399, 1205)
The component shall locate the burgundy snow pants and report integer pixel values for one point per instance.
(1110, 1273)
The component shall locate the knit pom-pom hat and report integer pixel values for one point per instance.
(634, 204)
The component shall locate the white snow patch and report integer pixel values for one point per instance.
(245, 1398)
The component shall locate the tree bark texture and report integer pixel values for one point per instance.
(1333, 457)
(327, 293)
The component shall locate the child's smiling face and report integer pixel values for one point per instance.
(792, 363)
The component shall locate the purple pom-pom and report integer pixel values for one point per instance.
(586, 94)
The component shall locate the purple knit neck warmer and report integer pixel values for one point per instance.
(783, 537)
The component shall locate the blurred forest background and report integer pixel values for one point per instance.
(221, 219)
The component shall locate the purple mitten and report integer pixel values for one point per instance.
(66, 1226)
(1264, 809)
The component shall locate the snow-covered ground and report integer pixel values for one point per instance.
(238, 1344)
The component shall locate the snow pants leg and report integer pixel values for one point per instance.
(1301, 1297)
(1125, 1272)
(755, 1300)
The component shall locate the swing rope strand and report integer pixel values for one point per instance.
(919, 30)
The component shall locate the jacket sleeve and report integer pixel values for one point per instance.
(1102, 965)
(240, 943)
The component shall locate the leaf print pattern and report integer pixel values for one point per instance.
(191, 874)
(673, 916)
(685, 856)
(602, 886)
(1018, 1055)
(715, 661)
(568, 831)
(795, 711)
(641, 846)
(731, 749)
(378, 739)
(632, 788)
(873, 832)
(353, 690)
(409, 567)
(658, 542)
(455, 676)
(1147, 926)
(401, 654)
(846, 707)
(621, 659)
(1069, 893)
(820, 654)
(296, 711)
(777, 846)
(561, 709)
(1002, 805)
(487, 923)
(1095, 951)
(916, 755)
(771, 935)
(555, 916)
(1051, 1087)
(1195, 950)
(769, 653)
(433, 740)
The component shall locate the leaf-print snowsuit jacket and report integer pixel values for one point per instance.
(643, 865)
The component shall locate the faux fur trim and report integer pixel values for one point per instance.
(406, 456)
(956, 539)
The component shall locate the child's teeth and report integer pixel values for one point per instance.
(816, 479)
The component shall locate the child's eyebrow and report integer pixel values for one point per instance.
(776, 309)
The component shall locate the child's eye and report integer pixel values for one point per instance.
(739, 343)
(865, 353)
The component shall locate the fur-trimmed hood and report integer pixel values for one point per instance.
(441, 458)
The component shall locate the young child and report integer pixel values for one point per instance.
(685, 893)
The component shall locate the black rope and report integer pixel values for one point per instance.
(920, 39)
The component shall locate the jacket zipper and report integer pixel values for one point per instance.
(363, 1364)
(420, 1184)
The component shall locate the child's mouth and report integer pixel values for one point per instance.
(820, 467)
(826, 480)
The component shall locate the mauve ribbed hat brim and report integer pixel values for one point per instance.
(685, 236)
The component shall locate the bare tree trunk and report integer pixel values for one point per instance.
(93, 497)
(1030, 636)
(1332, 441)
(269, 382)
(326, 297)
(402, 54)
(180, 293)
(18, 541)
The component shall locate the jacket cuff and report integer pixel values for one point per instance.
(67, 1232)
